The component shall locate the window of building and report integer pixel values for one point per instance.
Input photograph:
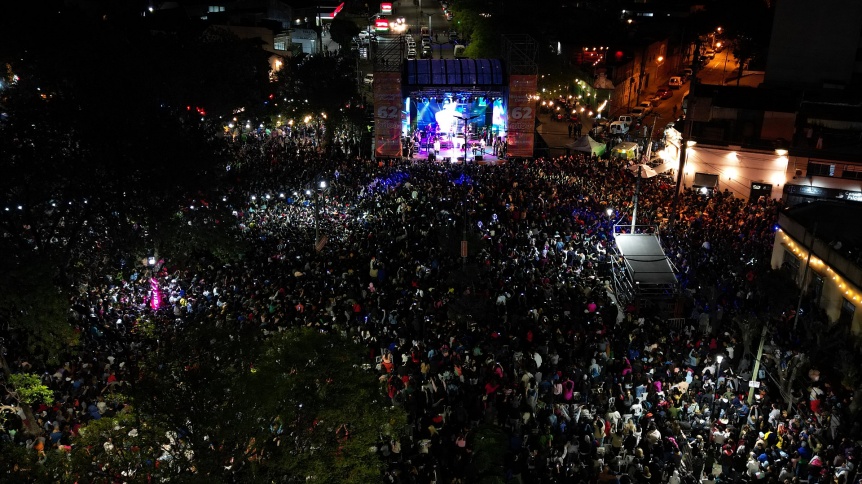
(848, 309)
(790, 264)
(820, 169)
(279, 45)
(815, 288)
(215, 8)
(854, 172)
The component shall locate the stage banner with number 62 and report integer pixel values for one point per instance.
(522, 115)
(387, 114)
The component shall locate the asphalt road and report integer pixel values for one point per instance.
(430, 13)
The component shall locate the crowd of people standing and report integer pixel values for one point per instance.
(525, 333)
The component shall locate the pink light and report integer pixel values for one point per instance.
(156, 299)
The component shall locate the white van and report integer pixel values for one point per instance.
(674, 82)
(459, 52)
(619, 127)
(627, 119)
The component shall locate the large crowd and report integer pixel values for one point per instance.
(525, 333)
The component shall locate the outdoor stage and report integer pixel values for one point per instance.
(438, 105)
(454, 153)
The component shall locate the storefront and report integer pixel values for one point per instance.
(796, 194)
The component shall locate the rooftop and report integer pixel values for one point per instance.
(834, 221)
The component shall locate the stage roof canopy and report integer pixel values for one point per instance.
(478, 74)
(645, 259)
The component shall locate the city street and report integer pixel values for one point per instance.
(427, 13)
(723, 70)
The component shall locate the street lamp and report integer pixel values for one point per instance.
(465, 119)
(318, 199)
(155, 296)
(715, 390)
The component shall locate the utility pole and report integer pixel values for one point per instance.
(683, 153)
(319, 29)
(646, 158)
(757, 363)
(686, 135)
(803, 284)
(635, 201)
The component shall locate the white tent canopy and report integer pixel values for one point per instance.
(588, 145)
(646, 171)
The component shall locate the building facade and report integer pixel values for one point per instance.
(819, 245)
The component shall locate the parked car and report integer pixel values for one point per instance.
(646, 106)
(411, 54)
(600, 125)
(628, 119)
(619, 127)
(675, 82)
(638, 112)
(369, 79)
(664, 92)
(426, 52)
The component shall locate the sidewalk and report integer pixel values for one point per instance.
(556, 133)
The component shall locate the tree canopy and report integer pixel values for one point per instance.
(295, 404)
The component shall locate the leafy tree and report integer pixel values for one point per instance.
(489, 444)
(317, 85)
(33, 308)
(485, 42)
(26, 390)
(292, 406)
(199, 234)
(20, 464)
(333, 410)
(128, 448)
(216, 71)
(343, 30)
(29, 389)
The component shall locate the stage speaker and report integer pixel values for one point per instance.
(479, 158)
